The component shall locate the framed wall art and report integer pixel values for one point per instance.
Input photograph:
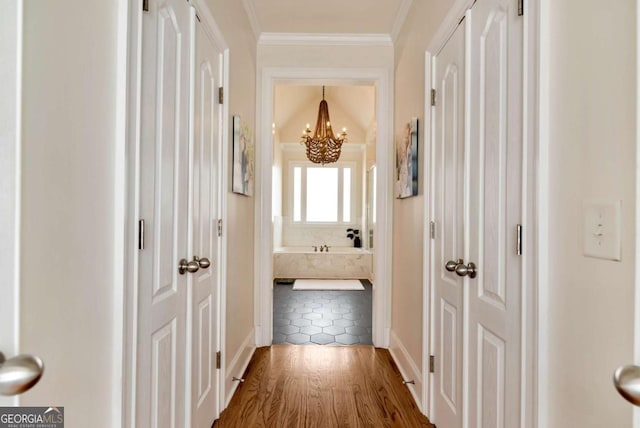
(407, 161)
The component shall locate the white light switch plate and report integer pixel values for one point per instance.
(602, 230)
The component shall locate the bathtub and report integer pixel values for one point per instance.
(339, 262)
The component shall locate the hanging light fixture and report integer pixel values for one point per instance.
(324, 147)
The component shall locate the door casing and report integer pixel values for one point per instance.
(382, 78)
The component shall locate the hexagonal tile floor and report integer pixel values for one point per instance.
(327, 317)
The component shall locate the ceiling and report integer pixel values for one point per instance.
(352, 107)
(327, 16)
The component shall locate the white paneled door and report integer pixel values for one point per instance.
(448, 182)
(163, 196)
(478, 198)
(495, 210)
(205, 334)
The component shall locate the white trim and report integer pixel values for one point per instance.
(449, 25)
(263, 275)
(401, 17)
(636, 333)
(11, 49)
(427, 279)
(132, 148)
(254, 22)
(408, 369)
(531, 173)
(238, 366)
(222, 206)
(541, 403)
(315, 39)
(210, 25)
(120, 216)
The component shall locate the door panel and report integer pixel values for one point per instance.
(495, 200)
(205, 241)
(160, 380)
(448, 182)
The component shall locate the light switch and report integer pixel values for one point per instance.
(602, 230)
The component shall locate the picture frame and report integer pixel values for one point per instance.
(407, 167)
(243, 158)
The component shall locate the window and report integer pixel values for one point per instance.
(322, 194)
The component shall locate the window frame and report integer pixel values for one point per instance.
(304, 165)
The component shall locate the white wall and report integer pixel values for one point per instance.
(589, 60)
(68, 231)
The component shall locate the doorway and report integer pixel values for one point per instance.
(271, 78)
(322, 270)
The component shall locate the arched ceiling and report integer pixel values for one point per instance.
(349, 106)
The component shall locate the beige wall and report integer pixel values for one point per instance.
(317, 56)
(408, 214)
(68, 239)
(587, 304)
(241, 95)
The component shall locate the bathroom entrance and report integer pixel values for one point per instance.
(323, 226)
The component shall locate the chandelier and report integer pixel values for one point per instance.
(324, 146)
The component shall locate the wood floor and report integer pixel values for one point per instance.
(322, 386)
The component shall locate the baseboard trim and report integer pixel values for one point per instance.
(238, 366)
(408, 369)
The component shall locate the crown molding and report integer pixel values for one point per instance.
(252, 16)
(401, 17)
(307, 39)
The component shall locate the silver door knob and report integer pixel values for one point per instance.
(203, 262)
(466, 270)
(185, 266)
(451, 265)
(18, 374)
(627, 382)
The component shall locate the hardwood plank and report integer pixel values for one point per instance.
(322, 386)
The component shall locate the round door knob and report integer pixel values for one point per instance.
(451, 265)
(191, 267)
(466, 270)
(203, 262)
(627, 382)
(18, 374)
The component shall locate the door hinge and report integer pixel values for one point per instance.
(520, 7)
(218, 358)
(519, 239)
(433, 97)
(432, 364)
(432, 229)
(145, 5)
(141, 234)
(219, 227)
(220, 95)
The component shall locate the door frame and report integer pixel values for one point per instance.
(382, 79)
(10, 175)
(532, 209)
(636, 333)
(131, 68)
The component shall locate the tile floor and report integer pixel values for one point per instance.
(302, 317)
